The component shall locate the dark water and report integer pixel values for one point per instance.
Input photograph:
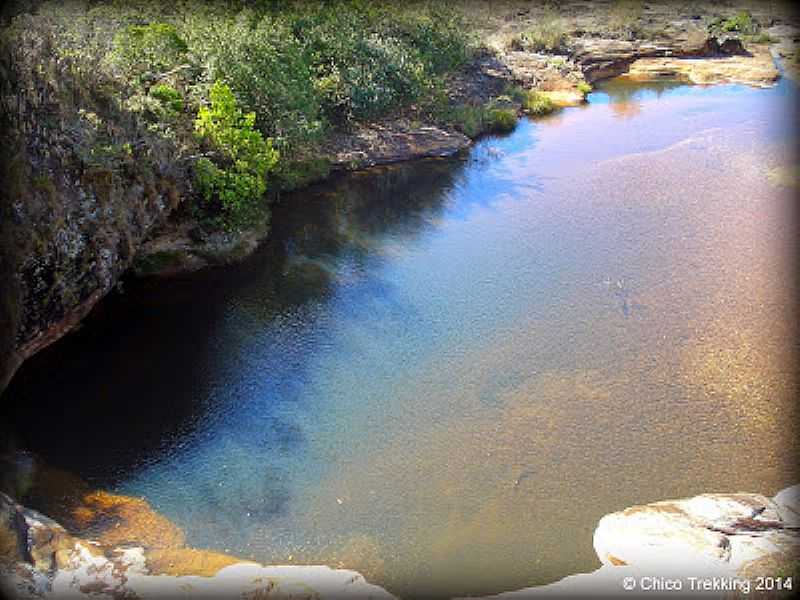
(442, 374)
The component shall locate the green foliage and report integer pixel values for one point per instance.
(468, 119)
(302, 68)
(438, 35)
(235, 189)
(741, 22)
(358, 73)
(496, 116)
(515, 93)
(264, 65)
(147, 51)
(584, 88)
(537, 103)
(500, 119)
(170, 98)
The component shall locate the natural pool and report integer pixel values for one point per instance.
(442, 374)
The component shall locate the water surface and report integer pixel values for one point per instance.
(442, 374)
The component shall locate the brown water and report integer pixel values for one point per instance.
(443, 374)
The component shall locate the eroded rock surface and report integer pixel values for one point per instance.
(757, 69)
(39, 559)
(83, 183)
(392, 141)
(728, 538)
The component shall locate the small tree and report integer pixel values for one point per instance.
(234, 189)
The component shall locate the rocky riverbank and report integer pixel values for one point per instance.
(709, 546)
(40, 559)
(742, 539)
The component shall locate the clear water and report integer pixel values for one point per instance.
(442, 374)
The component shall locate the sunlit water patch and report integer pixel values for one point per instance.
(442, 374)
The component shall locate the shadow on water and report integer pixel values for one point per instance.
(161, 368)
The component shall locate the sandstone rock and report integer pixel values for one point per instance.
(392, 141)
(734, 537)
(708, 533)
(787, 503)
(44, 561)
(757, 70)
(254, 581)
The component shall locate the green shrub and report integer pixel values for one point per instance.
(146, 51)
(170, 98)
(584, 88)
(515, 93)
(361, 70)
(234, 190)
(537, 103)
(437, 34)
(468, 119)
(500, 119)
(265, 67)
(740, 23)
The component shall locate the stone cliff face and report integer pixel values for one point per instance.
(83, 184)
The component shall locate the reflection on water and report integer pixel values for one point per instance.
(443, 374)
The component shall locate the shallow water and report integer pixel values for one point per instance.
(442, 374)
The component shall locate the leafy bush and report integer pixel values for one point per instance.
(742, 23)
(170, 98)
(147, 51)
(468, 119)
(515, 93)
(584, 88)
(501, 119)
(438, 35)
(265, 67)
(537, 103)
(234, 190)
(361, 72)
